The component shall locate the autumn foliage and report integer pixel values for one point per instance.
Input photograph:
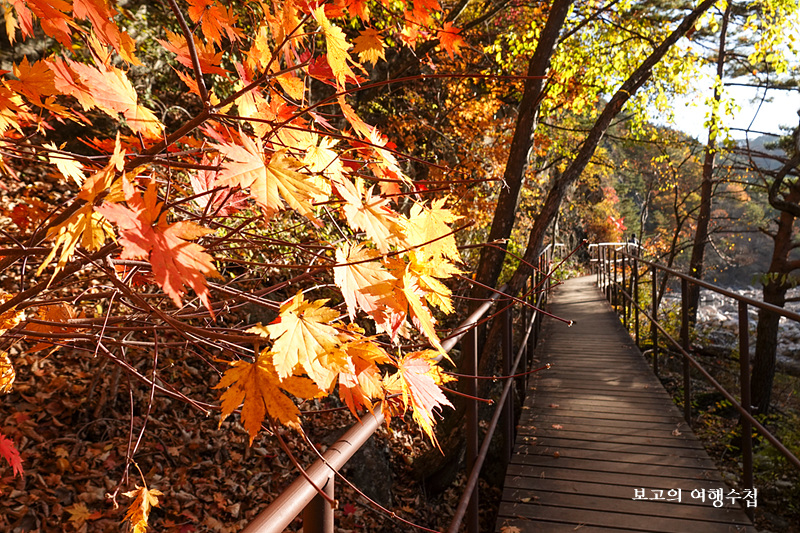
(271, 192)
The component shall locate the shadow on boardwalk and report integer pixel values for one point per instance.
(601, 447)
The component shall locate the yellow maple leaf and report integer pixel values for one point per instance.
(371, 214)
(79, 514)
(337, 54)
(144, 500)
(70, 168)
(87, 227)
(420, 314)
(267, 182)
(257, 387)
(302, 334)
(427, 231)
(369, 46)
(426, 270)
(364, 281)
(7, 374)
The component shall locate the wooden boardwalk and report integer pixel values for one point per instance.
(598, 427)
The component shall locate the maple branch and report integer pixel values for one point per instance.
(189, 36)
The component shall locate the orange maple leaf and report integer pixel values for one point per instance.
(144, 234)
(418, 379)
(257, 387)
(423, 9)
(52, 14)
(450, 39)
(34, 81)
(107, 88)
(59, 312)
(360, 381)
(209, 58)
(369, 46)
(144, 500)
(101, 15)
(215, 19)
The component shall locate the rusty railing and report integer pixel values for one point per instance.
(305, 495)
(617, 268)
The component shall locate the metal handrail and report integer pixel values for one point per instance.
(615, 290)
(304, 495)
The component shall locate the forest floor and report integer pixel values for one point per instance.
(75, 420)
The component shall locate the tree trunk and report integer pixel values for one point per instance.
(707, 186)
(775, 287)
(436, 469)
(766, 348)
(562, 184)
(491, 258)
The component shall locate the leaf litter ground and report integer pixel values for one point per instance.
(70, 415)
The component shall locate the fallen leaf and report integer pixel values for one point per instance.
(557, 426)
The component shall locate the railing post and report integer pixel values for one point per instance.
(615, 292)
(508, 409)
(744, 383)
(636, 302)
(653, 328)
(687, 383)
(606, 274)
(532, 338)
(318, 514)
(470, 351)
(623, 299)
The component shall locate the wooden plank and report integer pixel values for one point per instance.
(626, 447)
(611, 478)
(615, 430)
(620, 467)
(637, 522)
(627, 505)
(622, 456)
(616, 438)
(520, 487)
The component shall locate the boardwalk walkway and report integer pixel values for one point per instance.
(597, 427)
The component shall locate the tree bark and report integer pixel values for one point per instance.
(775, 286)
(707, 186)
(491, 258)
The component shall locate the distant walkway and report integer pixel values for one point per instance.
(598, 430)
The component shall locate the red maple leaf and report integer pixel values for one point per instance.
(144, 234)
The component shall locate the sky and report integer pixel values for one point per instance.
(781, 111)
